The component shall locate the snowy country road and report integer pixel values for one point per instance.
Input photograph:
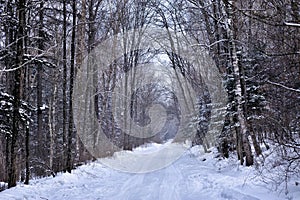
(192, 177)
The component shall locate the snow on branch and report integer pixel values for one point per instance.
(212, 44)
(283, 86)
(29, 59)
(292, 24)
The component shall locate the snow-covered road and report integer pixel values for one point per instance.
(191, 177)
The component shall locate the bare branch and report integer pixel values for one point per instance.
(34, 58)
(283, 86)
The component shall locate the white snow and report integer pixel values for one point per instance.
(292, 24)
(44, 107)
(194, 176)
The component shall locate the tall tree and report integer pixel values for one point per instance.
(17, 92)
(64, 95)
(39, 75)
(69, 164)
(242, 131)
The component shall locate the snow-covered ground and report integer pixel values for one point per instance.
(194, 176)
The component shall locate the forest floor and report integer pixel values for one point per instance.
(194, 176)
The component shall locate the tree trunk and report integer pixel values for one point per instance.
(39, 86)
(80, 50)
(10, 83)
(12, 170)
(27, 152)
(242, 131)
(52, 114)
(72, 68)
(64, 98)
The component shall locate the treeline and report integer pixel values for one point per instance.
(255, 44)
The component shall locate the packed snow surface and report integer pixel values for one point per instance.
(193, 176)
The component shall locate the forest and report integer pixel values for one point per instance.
(252, 47)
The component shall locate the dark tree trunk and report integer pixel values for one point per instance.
(27, 151)
(12, 170)
(39, 82)
(72, 67)
(64, 98)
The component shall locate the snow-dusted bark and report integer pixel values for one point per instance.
(242, 131)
